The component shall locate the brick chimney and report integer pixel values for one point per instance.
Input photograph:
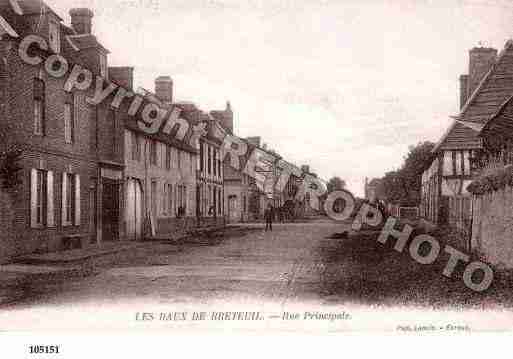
(164, 89)
(481, 61)
(123, 76)
(463, 90)
(82, 20)
(255, 140)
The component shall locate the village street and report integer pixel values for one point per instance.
(278, 266)
(299, 268)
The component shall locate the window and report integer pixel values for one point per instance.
(219, 166)
(69, 121)
(202, 157)
(153, 198)
(70, 199)
(112, 119)
(153, 153)
(104, 72)
(42, 195)
(41, 199)
(170, 198)
(136, 146)
(168, 157)
(164, 198)
(215, 162)
(209, 164)
(54, 36)
(39, 107)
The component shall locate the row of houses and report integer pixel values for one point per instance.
(89, 172)
(465, 186)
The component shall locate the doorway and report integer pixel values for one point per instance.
(110, 210)
(134, 210)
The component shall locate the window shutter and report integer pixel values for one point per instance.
(77, 200)
(50, 220)
(64, 197)
(33, 198)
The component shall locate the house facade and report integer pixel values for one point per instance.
(445, 198)
(56, 130)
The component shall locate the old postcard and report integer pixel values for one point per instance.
(309, 166)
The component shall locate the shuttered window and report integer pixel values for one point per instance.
(41, 199)
(70, 199)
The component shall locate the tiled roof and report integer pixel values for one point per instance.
(85, 41)
(131, 124)
(27, 7)
(495, 88)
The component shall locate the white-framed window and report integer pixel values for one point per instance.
(168, 157)
(104, 71)
(41, 198)
(70, 199)
(54, 37)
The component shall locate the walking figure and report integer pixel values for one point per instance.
(268, 216)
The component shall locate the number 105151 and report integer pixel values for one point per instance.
(44, 349)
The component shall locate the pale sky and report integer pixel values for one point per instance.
(344, 86)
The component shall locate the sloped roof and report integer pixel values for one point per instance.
(27, 7)
(85, 41)
(6, 28)
(501, 122)
(495, 88)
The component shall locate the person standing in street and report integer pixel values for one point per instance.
(268, 216)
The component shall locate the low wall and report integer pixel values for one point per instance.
(492, 227)
(460, 215)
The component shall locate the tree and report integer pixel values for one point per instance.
(404, 186)
(336, 184)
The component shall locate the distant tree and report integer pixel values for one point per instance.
(336, 184)
(404, 186)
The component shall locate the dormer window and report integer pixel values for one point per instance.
(103, 67)
(55, 38)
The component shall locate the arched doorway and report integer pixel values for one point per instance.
(134, 209)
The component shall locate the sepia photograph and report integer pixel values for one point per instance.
(262, 166)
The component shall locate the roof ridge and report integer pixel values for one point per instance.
(502, 53)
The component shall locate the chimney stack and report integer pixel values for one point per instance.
(463, 90)
(255, 140)
(82, 20)
(164, 89)
(123, 76)
(481, 61)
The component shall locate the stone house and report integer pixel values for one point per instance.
(210, 176)
(445, 199)
(238, 192)
(160, 174)
(57, 131)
